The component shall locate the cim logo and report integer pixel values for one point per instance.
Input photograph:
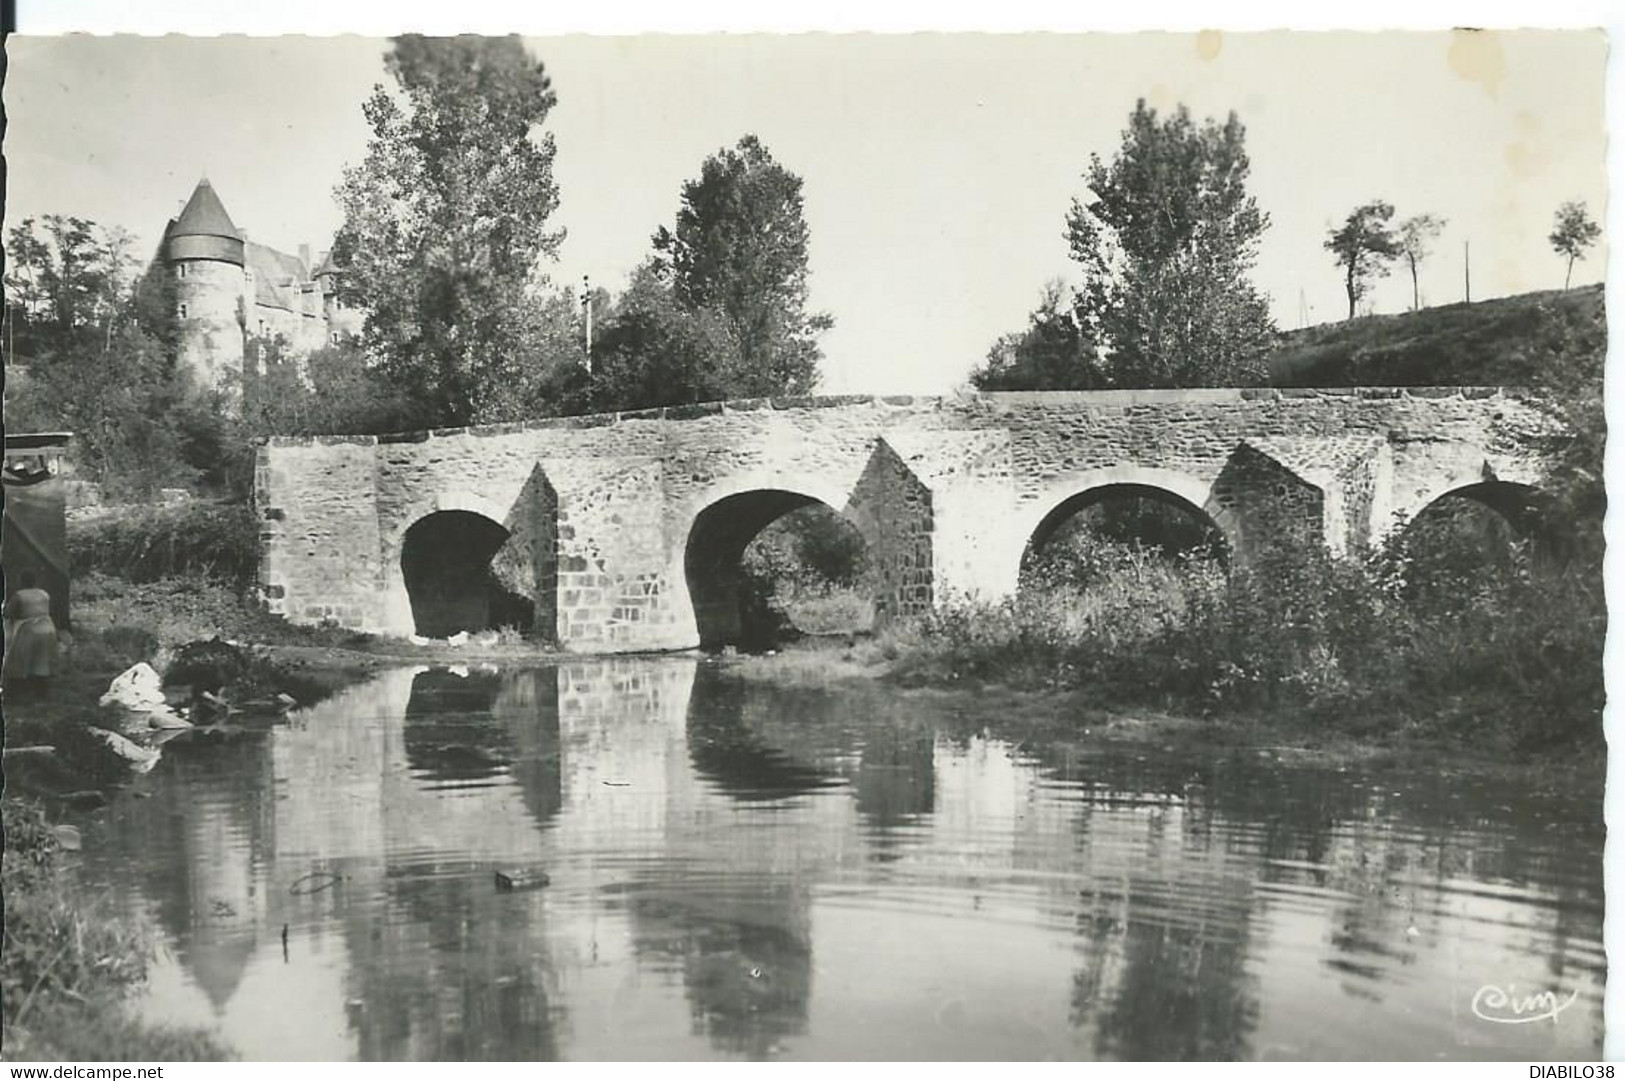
(1507, 1007)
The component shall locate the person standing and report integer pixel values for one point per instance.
(30, 638)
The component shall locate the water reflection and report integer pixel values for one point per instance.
(745, 870)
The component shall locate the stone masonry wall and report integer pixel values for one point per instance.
(1260, 504)
(211, 331)
(319, 532)
(891, 505)
(986, 468)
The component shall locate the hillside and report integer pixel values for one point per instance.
(1506, 341)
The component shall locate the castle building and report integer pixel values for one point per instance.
(229, 290)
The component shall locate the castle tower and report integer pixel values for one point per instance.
(342, 321)
(204, 253)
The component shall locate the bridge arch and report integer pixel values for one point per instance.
(1515, 514)
(437, 560)
(1069, 495)
(420, 509)
(720, 526)
(1517, 502)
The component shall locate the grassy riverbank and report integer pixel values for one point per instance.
(68, 964)
(1458, 636)
(1086, 719)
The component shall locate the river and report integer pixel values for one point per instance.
(740, 869)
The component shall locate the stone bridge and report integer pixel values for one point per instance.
(624, 531)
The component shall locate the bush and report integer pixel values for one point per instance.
(217, 541)
(806, 573)
(1506, 651)
(52, 947)
(813, 548)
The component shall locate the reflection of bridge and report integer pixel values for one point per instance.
(624, 531)
(738, 867)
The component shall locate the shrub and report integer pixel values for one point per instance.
(218, 541)
(813, 548)
(53, 948)
(1504, 651)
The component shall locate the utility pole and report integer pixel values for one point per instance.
(586, 308)
(1467, 266)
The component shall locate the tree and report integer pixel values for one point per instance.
(1364, 245)
(67, 277)
(1415, 239)
(333, 390)
(97, 358)
(1166, 241)
(1573, 232)
(445, 226)
(653, 350)
(739, 250)
(1053, 353)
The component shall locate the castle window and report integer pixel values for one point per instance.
(262, 328)
(181, 271)
(181, 311)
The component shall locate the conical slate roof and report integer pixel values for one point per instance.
(204, 215)
(204, 230)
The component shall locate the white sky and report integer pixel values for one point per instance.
(938, 168)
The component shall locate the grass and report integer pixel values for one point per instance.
(184, 608)
(827, 610)
(1509, 341)
(1437, 646)
(67, 964)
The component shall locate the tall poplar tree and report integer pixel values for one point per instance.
(446, 227)
(1166, 239)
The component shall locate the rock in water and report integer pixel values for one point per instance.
(166, 718)
(522, 878)
(140, 758)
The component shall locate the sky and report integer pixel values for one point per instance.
(938, 168)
